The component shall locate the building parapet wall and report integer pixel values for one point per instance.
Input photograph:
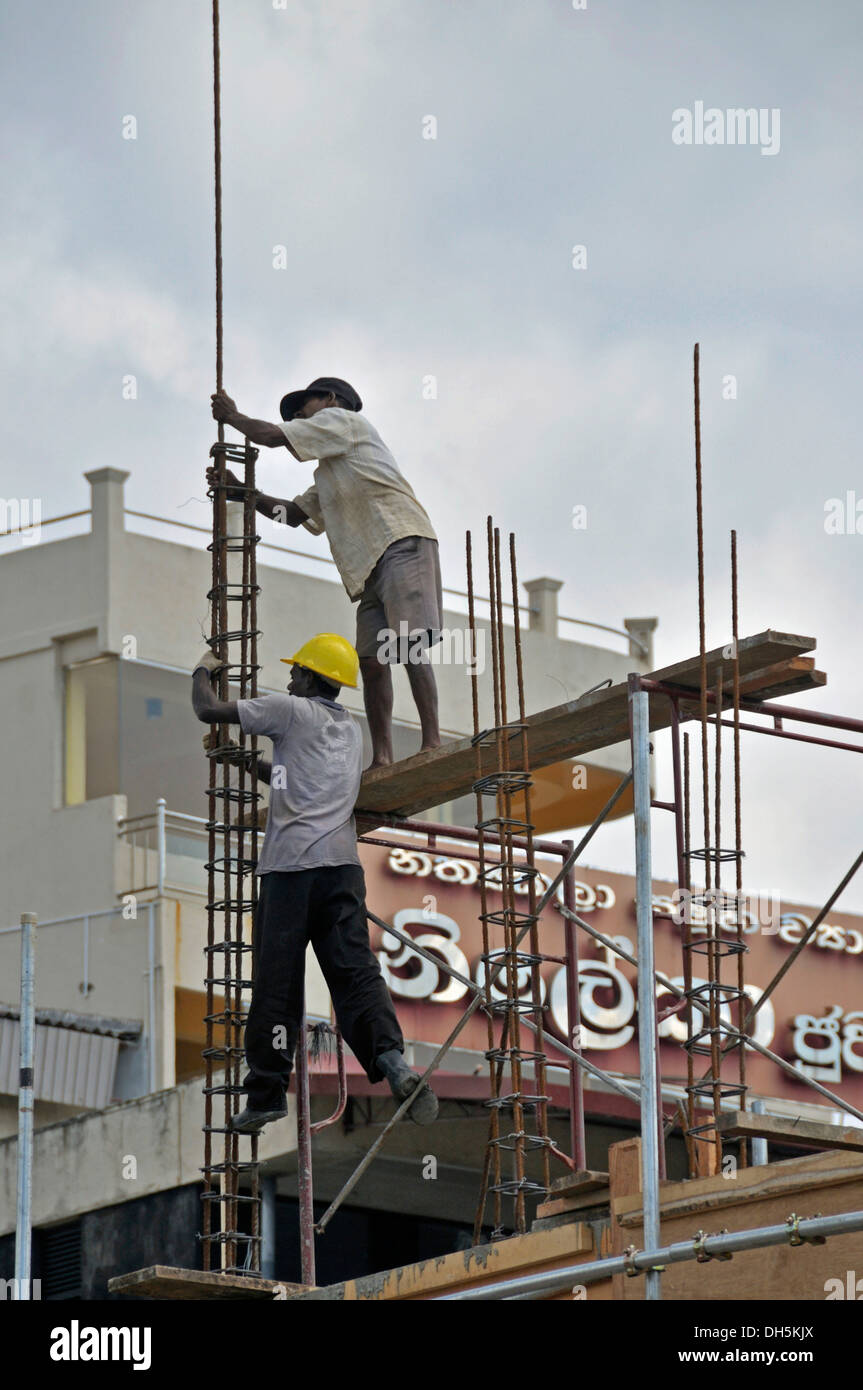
(129, 1150)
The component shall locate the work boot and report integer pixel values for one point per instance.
(403, 1083)
(252, 1121)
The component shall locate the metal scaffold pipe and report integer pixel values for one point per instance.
(795, 1231)
(647, 1036)
(27, 1038)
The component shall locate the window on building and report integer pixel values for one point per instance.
(59, 1259)
(92, 743)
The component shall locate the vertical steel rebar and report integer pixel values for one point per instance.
(218, 500)
(738, 844)
(573, 1009)
(510, 908)
(715, 943)
(504, 781)
(687, 948)
(217, 190)
(681, 836)
(491, 1162)
(702, 651)
(232, 891)
(499, 702)
(231, 1140)
(540, 1073)
(250, 691)
(232, 810)
(210, 1016)
(304, 1158)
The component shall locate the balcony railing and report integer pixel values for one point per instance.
(167, 851)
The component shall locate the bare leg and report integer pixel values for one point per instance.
(424, 690)
(378, 700)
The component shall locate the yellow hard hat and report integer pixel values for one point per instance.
(330, 656)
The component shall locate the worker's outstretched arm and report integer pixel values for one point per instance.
(276, 508)
(258, 431)
(280, 509)
(205, 703)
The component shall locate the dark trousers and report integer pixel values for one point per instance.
(326, 906)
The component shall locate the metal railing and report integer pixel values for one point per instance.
(155, 841)
(328, 560)
(85, 919)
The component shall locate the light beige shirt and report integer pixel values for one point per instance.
(359, 496)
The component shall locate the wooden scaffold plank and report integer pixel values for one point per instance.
(167, 1281)
(769, 664)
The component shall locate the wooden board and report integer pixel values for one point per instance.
(624, 1175)
(829, 1183)
(574, 1192)
(795, 1179)
(569, 1208)
(782, 678)
(814, 1134)
(786, 678)
(532, 1253)
(585, 1180)
(567, 731)
(166, 1281)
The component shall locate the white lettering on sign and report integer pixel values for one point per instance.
(607, 1023)
(681, 907)
(604, 1026)
(791, 928)
(822, 1045)
(421, 864)
(426, 981)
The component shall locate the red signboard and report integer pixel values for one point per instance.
(814, 1019)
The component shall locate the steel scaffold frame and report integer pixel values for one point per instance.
(648, 1095)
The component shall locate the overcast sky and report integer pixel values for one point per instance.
(452, 258)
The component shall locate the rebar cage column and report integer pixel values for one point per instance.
(504, 782)
(232, 857)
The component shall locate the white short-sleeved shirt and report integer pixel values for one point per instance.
(359, 495)
(317, 769)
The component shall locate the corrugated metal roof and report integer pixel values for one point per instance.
(129, 1029)
(70, 1067)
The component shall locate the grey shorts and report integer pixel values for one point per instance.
(401, 607)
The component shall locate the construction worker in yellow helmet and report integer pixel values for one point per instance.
(329, 656)
(311, 882)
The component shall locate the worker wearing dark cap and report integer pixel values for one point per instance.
(381, 538)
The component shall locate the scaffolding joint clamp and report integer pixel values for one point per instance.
(703, 1256)
(795, 1235)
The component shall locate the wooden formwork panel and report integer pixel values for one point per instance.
(826, 1184)
(485, 1264)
